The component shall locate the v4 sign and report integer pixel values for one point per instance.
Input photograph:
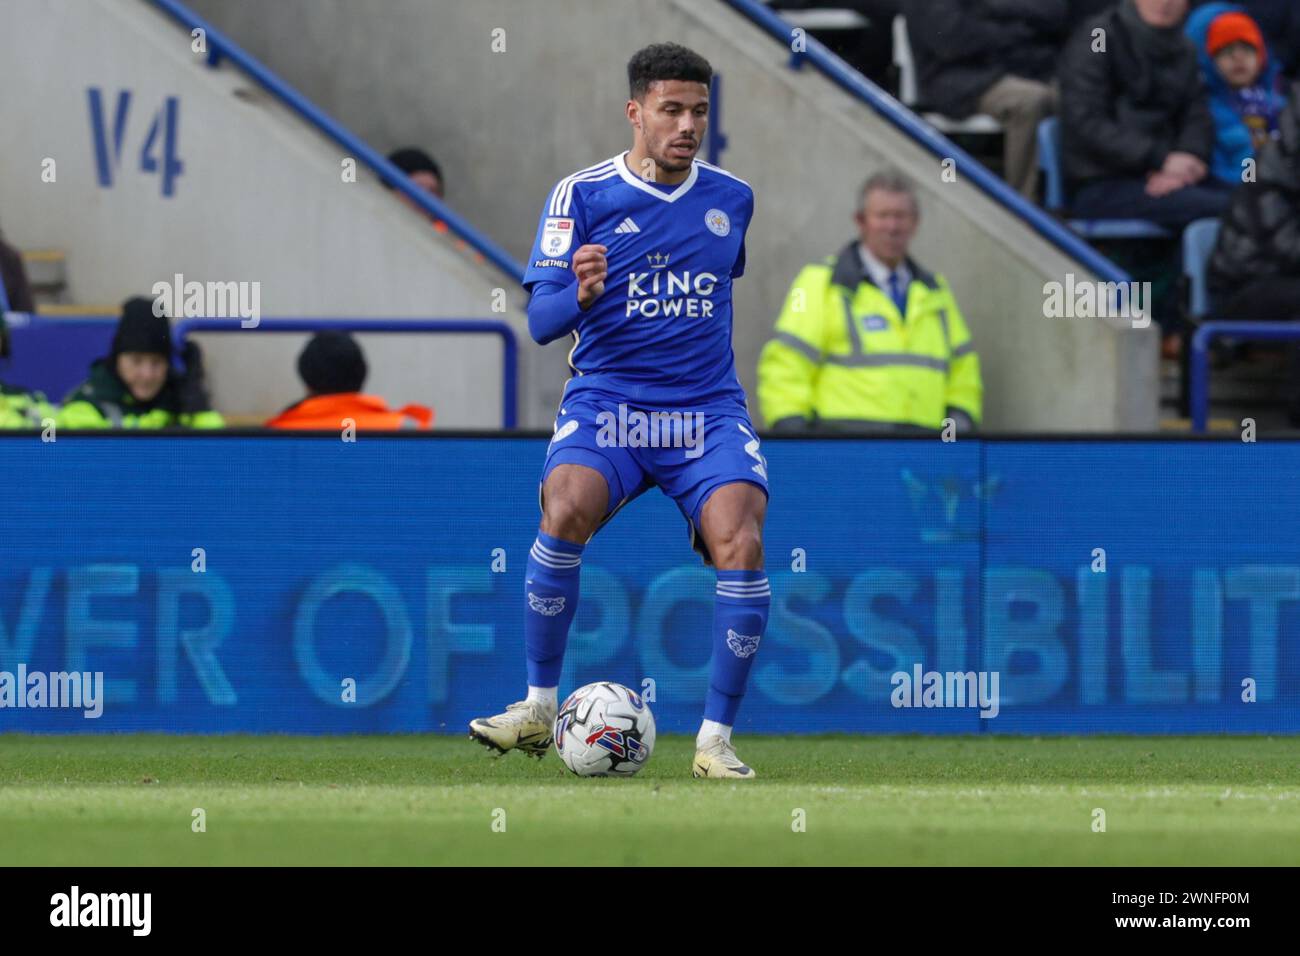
(159, 146)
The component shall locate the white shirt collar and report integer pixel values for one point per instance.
(620, 163)
(879, 273)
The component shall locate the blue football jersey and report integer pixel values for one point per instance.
(659, 337)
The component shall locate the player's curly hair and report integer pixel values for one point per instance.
(665, 61)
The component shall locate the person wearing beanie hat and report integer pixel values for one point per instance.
(1244, 85)
(332, 363)
(135, 385)
(333, 368)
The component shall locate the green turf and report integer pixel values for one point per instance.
(866, 800)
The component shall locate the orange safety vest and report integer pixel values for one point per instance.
(369, 412)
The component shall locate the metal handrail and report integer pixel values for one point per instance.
(510, 345)
(858, 86)
(220, 45)
(1200, 358)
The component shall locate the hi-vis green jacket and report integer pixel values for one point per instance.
(103, 401)
(20, 408)
(843, 356)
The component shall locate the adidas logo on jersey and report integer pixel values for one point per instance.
(626, 226)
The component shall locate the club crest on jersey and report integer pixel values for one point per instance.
(557, 236)
(742, 645)
(548, 606)
(719, 222)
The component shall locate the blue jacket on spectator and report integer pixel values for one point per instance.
(1233, 143)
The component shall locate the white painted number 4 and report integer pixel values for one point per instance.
(751, 449)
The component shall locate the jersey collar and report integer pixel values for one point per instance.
(620, 163)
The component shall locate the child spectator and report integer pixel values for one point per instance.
(1243, 81)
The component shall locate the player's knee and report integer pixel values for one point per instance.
(569, 518)
(738, 549)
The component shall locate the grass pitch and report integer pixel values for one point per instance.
(126, 800)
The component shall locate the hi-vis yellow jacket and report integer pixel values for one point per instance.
(843, 356)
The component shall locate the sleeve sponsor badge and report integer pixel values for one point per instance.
(557, 236)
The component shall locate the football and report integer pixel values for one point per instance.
(604, 730)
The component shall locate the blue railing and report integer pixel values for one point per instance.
(221, 46)
(1200, 359)
(858, 86)
(509, 344)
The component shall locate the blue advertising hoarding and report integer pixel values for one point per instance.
(231, 583)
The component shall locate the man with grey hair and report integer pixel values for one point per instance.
(868, 340)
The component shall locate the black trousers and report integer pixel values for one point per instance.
(1126, 198)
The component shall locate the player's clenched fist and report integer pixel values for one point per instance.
(590, 267)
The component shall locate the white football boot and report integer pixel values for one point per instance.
(716, 758)
(527, 725)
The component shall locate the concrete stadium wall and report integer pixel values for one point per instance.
(511, 95)
(260, 197)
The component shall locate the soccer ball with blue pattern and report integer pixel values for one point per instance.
(604, 730)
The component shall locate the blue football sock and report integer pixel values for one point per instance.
(739, 617)
(551, 599)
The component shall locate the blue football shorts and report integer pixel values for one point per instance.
(688, 455)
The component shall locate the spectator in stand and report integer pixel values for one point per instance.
(135, 386)
(1254, 272)
(1137, 134)
(425, 172)
(1244, 85)
(1280, 21)
(334, 370)
(14, 277)
(996, 57)
(422, 168)
(868, 341)
(19, 408)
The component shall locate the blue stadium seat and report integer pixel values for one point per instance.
(1198, 243)
(1049, 162)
